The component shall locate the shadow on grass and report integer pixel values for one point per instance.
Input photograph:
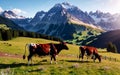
(14, 65)
(78, 61)
(36, 70)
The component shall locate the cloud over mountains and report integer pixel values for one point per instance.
(15, 10)
(18, 11)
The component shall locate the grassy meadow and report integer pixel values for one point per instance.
(68, 63)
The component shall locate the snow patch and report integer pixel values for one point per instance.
(97, 20)
(41, 16)
(66, 6)
(50, 15)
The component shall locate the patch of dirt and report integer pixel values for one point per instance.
(3, 54)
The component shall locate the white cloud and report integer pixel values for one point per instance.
(1, 10)
(18, 11)
(113, 5)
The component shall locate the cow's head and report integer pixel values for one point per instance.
(64, 45)
(97, 56)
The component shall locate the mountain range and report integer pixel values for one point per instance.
(62, 20)
(106, 21)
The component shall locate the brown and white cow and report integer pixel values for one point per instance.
(44, 49)
(90, 51)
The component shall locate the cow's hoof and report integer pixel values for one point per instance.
(55, 62)
(50, 62)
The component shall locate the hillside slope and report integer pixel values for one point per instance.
(103, 40)
(9, 23)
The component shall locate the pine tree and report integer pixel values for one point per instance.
(111, 47)
(114, 48)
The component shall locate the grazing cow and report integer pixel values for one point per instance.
(90, 51)
(44, 49)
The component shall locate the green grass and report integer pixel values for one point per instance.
(17, 45)
(84, 37)
(68, 63)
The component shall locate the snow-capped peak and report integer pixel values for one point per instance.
(67, 5)
(64, 5)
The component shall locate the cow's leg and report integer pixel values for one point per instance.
(54, 57)
(82, 55)
(51, 59)
(87, 58)
(93, 57)
(29, 58)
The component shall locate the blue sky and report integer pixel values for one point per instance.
(29, 8)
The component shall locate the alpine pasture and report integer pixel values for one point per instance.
(11, 62)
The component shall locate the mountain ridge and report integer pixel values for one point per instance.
(98, 18)
(61, 16)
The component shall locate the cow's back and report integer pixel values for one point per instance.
(44, 47)
(88, 49)
(91, 49)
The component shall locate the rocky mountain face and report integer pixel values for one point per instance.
(62, 21)
(37, 18)
(59, 10)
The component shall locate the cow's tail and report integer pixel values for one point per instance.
(25, 51)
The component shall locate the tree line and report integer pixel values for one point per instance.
(10, 34)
